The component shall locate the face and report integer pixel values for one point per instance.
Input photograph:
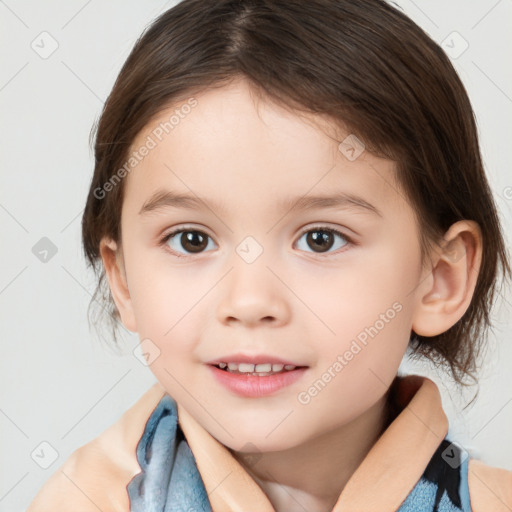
(260, 268)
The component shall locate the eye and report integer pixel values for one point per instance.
(322, 238)
(192, 240)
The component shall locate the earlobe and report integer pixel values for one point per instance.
(446, 294)
(113, 263)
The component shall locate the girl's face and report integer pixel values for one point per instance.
(258, 273)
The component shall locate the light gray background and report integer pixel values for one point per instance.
(58, 382)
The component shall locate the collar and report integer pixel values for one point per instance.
(381, 482)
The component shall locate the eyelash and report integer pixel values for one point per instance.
(348, 239)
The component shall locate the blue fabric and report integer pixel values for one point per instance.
(464, 487)
(443, 486)
(170, 481)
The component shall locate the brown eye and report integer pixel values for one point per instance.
(323, 239)
(192, 241)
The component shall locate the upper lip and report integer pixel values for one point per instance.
(251, 359)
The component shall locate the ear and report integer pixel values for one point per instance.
(113, 262)
(446, 293)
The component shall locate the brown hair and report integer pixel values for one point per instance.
(367, 66)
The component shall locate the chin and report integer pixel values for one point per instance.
(252, 442)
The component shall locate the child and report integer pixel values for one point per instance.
(288, 195)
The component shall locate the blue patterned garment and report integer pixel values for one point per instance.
(170, 481)
(443, 486)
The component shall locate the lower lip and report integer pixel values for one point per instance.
(254, 386)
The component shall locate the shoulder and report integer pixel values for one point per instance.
(490, 488)
(95, 476)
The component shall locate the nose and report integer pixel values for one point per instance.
(252, 295)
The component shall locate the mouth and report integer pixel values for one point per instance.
(257, 370)
(256, 379)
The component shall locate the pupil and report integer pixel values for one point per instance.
(195, 239)
(321, 239)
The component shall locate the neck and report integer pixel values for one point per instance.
(312, 476)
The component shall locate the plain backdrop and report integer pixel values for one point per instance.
(60, 386)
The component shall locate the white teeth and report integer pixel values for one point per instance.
(263, 367)
(256, 368)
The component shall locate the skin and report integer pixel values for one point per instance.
(293, 301)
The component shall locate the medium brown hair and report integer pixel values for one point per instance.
(367, 66)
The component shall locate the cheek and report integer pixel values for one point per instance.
(354, 371)
(165, 304)
(373, 291)
(369, 313)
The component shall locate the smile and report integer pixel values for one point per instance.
(263, 369)
(243, 380)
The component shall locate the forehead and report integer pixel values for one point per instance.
(235, 147)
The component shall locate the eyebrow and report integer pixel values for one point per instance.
(163, 199)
